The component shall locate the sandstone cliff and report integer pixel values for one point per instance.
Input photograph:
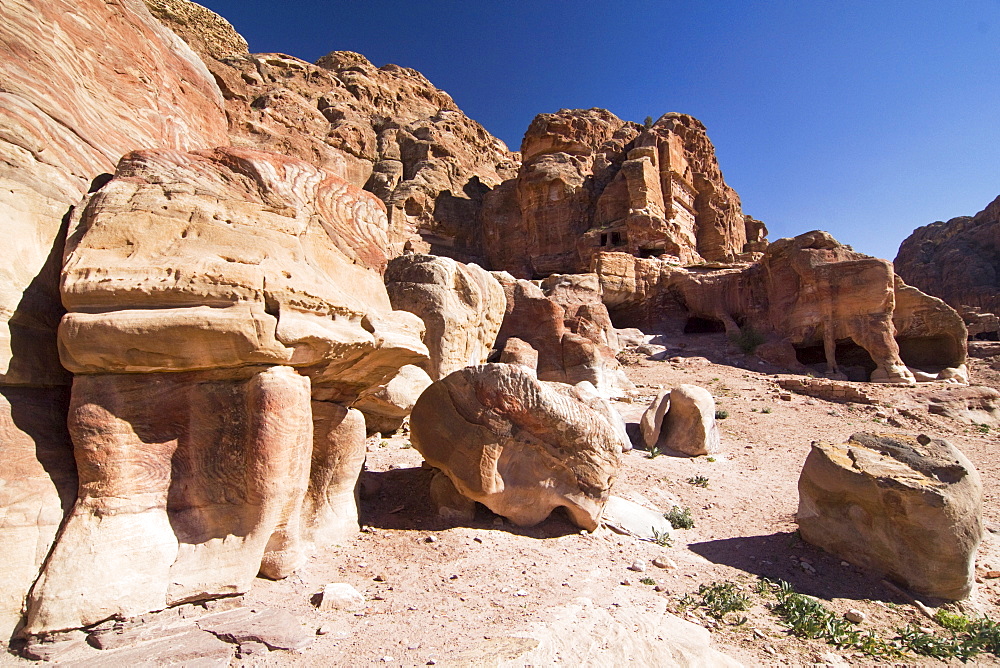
(590, 182)
(958, 261)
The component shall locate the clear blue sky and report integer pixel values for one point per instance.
(866, 119)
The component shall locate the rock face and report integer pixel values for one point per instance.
(517, 445)
(810, 298)
(223, 306)
(67, 116)
(461, 305)
(683, 420)
(386, 407)
(571, 340)
(958, 261)
(590, 182)
(907, 507)
(387, 129)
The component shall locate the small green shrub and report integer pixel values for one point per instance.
(721, 414)
(747, 340)
(699, 481)
(654, 452)
(647, 581)
(983, 428)
(679, 518)
(766, 409)
(953, 621)
(720, 598)
(662, 538)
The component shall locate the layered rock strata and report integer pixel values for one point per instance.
(387, 129)
(591, 182)
(812, 301)
(215, 345)
(74, 97)
(958, 261)
(519, 446)
(907, 507)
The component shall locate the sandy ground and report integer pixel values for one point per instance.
(439, 591)
(448, 594)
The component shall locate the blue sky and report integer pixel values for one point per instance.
(866, 119)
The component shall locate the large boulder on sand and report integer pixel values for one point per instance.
(461, 305)
(682, 419)
(907, 507)
(520, 446)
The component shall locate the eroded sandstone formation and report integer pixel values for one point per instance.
(462, 307)
(225, 306)
(810, 300)
(387, 129)
(73, 98)
(958, 261)
(591, 182)
(520, 446)
(907, 507)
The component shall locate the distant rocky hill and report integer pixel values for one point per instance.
(959, 262)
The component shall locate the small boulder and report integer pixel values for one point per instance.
(518, 351)
(682, 420)
(909, 507)
(385, 407)
(340, 596)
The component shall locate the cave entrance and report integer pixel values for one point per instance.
(853, 360)
(929, 353)
(985, 336)
(699, 325)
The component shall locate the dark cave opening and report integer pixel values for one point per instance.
(852, 359)
(698, 325)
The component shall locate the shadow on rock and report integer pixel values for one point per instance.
(400, 499)
(784, 556)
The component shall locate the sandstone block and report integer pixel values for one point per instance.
(340, 596)
(461, 305)
(517, 445)
(907, 507)
(385, 407)
(682, 420)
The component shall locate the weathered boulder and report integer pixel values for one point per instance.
(974, 405)
(516, 351)
(907, 507)
(956, 261)
(387, 406)
(224, 308)
(462, 307)
(682, 419)
(517, 445)
(590, 182)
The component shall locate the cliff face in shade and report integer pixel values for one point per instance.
(590, 182)
(957, 261)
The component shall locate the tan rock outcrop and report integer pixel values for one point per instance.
(190, 484)
(387, 129)
(564, 355)
(461, 305)
(956, 261)
(226, 258)
(386, 407)
(591, 182)
(837, 309)
(220, 303)
(907, 507)
(517, 445)
(73, 98)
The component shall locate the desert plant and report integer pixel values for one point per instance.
(647, 581)
(654, 452)
(699, 481)
(720, 598)
(747, 339)
(662, 538)
(766, 409)
(721, 414)
(679, 518)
